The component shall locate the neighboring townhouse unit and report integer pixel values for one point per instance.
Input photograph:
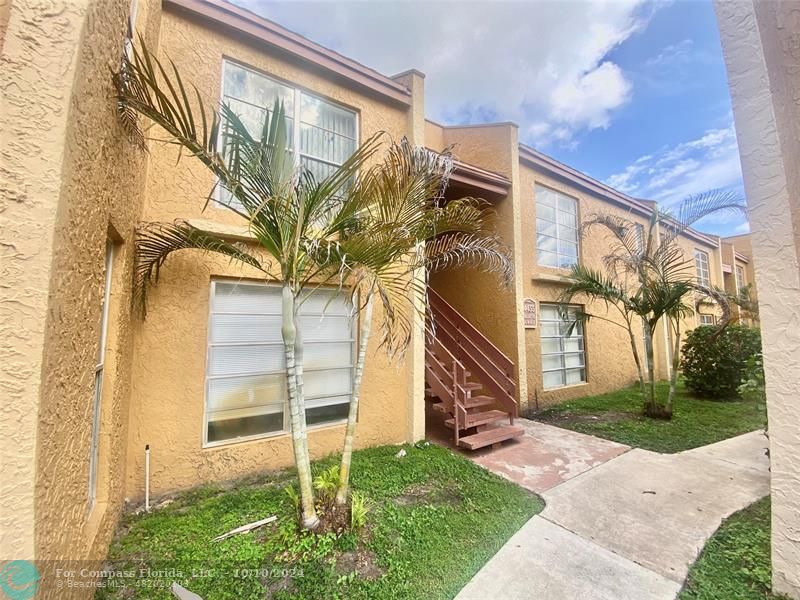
(740, 276)
(200, 381)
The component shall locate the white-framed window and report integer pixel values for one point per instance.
(701, 268)
(556, 228)
(327, 133)
(639, 231)
(246, 394)
(563, 356)
(707, 319)
(740, 281)
(130, 29)
(94, 447)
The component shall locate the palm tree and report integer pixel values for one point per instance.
(356, 226)
(647, 279)
(383, 258)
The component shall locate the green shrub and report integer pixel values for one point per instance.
(714, 365)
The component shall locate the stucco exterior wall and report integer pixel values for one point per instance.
(69, 181)
(609, 358)
(480, 297)
(759, 41)
(170, 346)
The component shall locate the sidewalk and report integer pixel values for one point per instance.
(624, 528)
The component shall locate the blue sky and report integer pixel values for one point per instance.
(631, 92)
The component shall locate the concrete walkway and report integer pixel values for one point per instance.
(620, 523)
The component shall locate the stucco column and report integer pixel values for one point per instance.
(415, 357)
(37, 68)
(760, 43)
(515, 195)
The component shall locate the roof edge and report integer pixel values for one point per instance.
(272, 34)
(592, 185)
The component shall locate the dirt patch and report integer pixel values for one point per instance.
(361, 561)
(571, 418)
(333, 518)
(427, 493)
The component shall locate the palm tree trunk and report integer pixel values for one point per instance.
(636, 359)
(673, 379)
(347, 453)
(651, 403)
(294, 373)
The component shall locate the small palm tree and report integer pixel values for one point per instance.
(408, 232)
(359, 226)
(648, 279)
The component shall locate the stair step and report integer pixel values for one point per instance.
(472, 386)
(481, 418)
(444, 365)
(490, 436)
(478, 401)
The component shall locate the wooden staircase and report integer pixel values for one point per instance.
(471, 380)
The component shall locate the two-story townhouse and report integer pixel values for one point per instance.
(199, 382)
(739, 273)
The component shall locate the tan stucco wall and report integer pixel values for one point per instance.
(170, 346)
(759, 42)
(742, 245)
(434, 136)
(480, 297)
(609, 359)
(68, 178)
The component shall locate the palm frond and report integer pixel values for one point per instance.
(145, 86)
(155, 242)
(455, 249)
(697, 207)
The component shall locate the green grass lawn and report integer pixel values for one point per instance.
(618, 416)
(735, 564)
(436, 518)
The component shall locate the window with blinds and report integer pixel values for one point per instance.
(556, 228)
(563, 356)
(327, 133)
(246, 370)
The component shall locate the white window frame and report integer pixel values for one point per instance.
(701, 318)
(702, 267)
(99, 371)
(578, 334)
(286, 425)
(639, 229)
(557, 223)
(130, 30)
(738, 271)
(298, 93)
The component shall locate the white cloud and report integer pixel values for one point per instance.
(679, 53)
(542, 64)
(710, 161)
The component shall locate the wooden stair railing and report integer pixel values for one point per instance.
(481, 357)
(459, 360)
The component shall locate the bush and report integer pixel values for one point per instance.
(714, 367)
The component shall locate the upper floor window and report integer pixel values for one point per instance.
(556, 228)
(638, 229)
(326, 135)
(130, 28)
(702, 268)
(246, 369)
(740, 282)
(707, 319)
